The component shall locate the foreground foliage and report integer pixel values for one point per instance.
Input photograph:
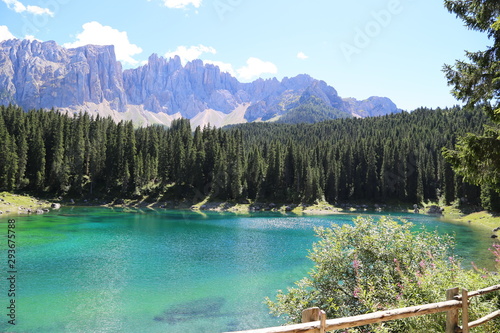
(378, 265)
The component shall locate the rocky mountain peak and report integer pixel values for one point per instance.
(37, 74)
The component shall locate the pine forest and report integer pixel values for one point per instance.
(394, 158)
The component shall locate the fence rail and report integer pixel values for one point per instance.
(314, 320)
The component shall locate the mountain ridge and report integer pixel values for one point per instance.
(45, 75)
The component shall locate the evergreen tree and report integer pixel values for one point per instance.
(58, 172)
(8, 159)
(36, 159)
(477, 157)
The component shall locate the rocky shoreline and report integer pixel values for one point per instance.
(18, 204)
(321, 208)
(23, 204)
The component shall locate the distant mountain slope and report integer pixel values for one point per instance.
(371, 107)
(37, 74)
(312, 110)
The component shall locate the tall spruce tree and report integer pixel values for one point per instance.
(477, 83)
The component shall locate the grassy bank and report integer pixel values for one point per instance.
(481, 219)
(468, 215)
(13, 204)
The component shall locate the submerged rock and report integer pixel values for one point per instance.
(201, 308)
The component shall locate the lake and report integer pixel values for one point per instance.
(103, 270)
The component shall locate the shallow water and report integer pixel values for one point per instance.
(103, 270)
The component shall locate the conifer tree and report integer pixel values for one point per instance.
(477, 157)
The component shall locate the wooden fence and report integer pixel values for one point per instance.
(314, 320)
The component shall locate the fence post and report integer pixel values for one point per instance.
(310, 314)
(322, 318)
(465, 311)
(452, 315)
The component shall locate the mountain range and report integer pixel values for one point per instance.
(36, 74)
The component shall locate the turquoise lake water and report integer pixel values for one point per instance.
(103, 270)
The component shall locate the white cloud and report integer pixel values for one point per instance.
(5, 33)
(302, 56)
(182, 3)
(190, 53)
(31, 37)
(224, 67)
(98, 34)
(255, 68)
(19, 7)
(39, 10)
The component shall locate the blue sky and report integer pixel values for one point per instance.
(363, 48)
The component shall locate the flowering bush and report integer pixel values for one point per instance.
(496, 253)
(378, 265)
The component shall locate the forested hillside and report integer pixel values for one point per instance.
(389, 158)
(312, 110)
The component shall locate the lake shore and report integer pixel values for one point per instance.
(318, 208)
(21, 204)
(482, 219)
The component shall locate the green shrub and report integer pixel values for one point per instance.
(378, 265)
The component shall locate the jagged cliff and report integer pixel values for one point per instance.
(37, 74)
(45, 75)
